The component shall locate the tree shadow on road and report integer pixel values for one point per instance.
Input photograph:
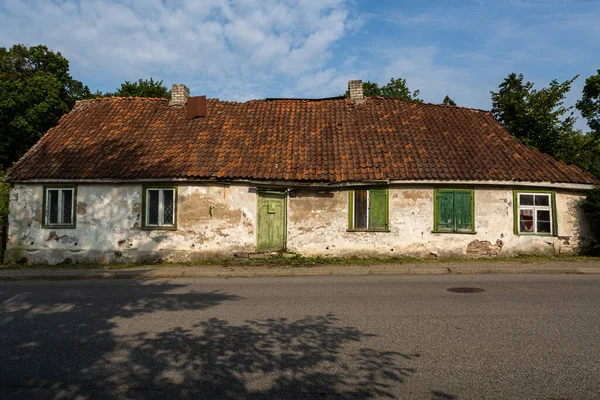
(69, 347)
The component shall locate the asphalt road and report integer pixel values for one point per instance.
(323, 337)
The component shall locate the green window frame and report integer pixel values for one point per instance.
(535, 212)
(59, 203)
(368, 209)
(454, 211)
(159, 207)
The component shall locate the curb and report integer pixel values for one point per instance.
(362, 271)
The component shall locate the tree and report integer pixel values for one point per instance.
(591, 208)
(536, 117)
(396, 88)
(371, 89)
(142, 88)
(36, 89)
(589, 105)
(448, 101)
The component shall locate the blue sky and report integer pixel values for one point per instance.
(238, 50)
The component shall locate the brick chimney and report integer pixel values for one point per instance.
(356, 91)
(179, 94)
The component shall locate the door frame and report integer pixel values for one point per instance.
(260, 193)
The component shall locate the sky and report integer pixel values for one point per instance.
(245, 49)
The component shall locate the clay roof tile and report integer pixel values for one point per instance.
(328, 140)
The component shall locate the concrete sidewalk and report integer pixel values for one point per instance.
(216, 271)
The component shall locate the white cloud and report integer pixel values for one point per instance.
(423, 70)
(242, 49)
(231, 47)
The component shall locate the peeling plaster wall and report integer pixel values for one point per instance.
(108, 226)
(317, 226)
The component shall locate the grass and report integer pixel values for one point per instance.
(297, 260)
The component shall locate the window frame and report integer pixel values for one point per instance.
(436, 212)
(45, 214)
(351, 207)
(144, 212)
(552, 208)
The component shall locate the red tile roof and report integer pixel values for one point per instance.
(293, 140)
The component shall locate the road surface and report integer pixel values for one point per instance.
(531, 336)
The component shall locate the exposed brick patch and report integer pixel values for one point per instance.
(484, 248)
(81, 208)
(565, 239)
(53, 236)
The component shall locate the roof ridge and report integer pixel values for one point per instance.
(461, 107)
(284, 99)
(120, 98)
(425, 103)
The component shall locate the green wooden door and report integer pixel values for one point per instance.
(271, 221)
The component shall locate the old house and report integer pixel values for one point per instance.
(137, 179)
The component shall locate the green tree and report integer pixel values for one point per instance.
(589, 105)
(395, 88)
(142, 88)
(591, 208)
(536, 117)
(4, 196)
(448, 101)
(36, 89)
(580, 149)
(371, 89)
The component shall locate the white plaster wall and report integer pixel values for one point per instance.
(321, 230)
(108, 226)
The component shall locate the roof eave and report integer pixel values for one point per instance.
(286, 183)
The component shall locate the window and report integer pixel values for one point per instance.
(454, 211)
(159, 207)
(59, 210)
(368, 210)
(535, 213)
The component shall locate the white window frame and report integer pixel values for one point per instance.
(535, 209)
(161, 205)
(60, 207)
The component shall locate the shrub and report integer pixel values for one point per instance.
(591, 209)
(4, 190)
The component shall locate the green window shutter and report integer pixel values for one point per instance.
(378, 208)
(463, 211)
(444, 219)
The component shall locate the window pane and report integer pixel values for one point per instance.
(543, 227)
(152, 207)
(67, 206)
(543, 215)
(543, 221)
(360, 209)
(168, 206)
(526, 199)
(52, 207)
(526, 221)
(542, 200)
